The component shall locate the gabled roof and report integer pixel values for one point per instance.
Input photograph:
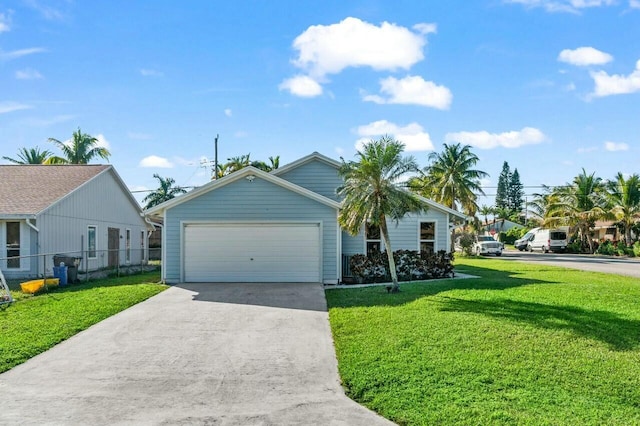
(26, 190)
(444, 208)
(241, 174)
(307, 159)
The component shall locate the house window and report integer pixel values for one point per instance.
(427, 237)
(373, 238)
(13, 244)
(127, 246)
(142, 253)
(91, 242)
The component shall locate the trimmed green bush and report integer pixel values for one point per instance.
(410, 265)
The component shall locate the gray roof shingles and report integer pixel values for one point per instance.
(29, 189)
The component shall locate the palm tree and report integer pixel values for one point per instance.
(486, 211)
(451, 180)
(623, 197)
(81, 149)
(372, 192)
(165, 192)
(579, 204)
(31, 156)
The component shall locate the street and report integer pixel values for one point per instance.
(584, 262)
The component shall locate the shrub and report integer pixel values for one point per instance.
(574, 247)
(466, 240)
(621, 248)
(606, 248)
(410, 265)
(636, 249)
(512, 235)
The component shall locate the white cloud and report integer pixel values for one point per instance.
(48, 12)
(14, 54)
(28, 74)
(228, 112)
(4, 23)
(329, 49)
(155, 161)
(587, 149)
(301, 85)
(145, 72)
(425, 28)
(102, 141)
(616, 146)
(240, 134)
(9, 106)
(570, 87)
(486, 140)
(412, 135)
(607, 85)
(584, 56)
(634, 4)
(572, 6)
(412, 90)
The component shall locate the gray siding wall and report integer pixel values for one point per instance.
(255, 201)
(316, 176)
(100, 202)
(405, 235)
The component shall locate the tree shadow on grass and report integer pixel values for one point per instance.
(489, 279)
(619, 333)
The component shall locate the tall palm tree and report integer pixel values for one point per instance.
(372, 191)
(31, 156)
(451, 180)
(166, 191)
(579, 204)
(486, 211)
(81, 149)
(623, 198)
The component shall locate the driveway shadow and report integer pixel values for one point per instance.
(304, 296)
(619, 333)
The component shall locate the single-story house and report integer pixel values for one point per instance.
(282, 226)
(77, 210)
(499, 225)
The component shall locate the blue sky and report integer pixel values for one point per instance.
(551, 86)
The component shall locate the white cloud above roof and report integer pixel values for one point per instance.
(9, 106)
(584, 56)
(412, 90)
(486, 140)
(15, 54)
(329, 49)
(28, 74)
(634, 4)
(228, 112)
(412, 135)
(616, 84)
(155, 161)
(302, 85)
(616, 146)
(572, 6)
(4, 23)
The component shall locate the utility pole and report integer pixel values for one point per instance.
(215, 161)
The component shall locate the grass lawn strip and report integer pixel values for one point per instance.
(34, 324)
(522, 344)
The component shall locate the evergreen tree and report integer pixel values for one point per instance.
(502, 194)
(516, 193)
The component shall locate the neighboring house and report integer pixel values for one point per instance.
(499, 225)
(80, 210)
(253, 226)
(605, 230)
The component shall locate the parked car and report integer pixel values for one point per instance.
(547, 240)
(521, 243)
(486, 244)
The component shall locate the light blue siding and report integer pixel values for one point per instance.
(316, 176)
(256, 201)
(405, 235)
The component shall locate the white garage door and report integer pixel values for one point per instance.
(252, 253)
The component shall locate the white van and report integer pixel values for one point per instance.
(547, 240)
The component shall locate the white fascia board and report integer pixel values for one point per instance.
(439, 206)
(305, 160)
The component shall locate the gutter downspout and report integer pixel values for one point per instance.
(32, 226)
(162, 262)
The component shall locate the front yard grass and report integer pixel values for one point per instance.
(34, 324)
(523, 344)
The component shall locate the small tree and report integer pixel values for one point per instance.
(165, 192)
(372, 192)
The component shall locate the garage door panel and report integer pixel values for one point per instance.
(252, 253)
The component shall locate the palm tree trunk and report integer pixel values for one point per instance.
(384, 232)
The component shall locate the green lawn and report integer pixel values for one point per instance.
(34, 324)
(523, 344)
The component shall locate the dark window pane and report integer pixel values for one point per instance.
(91, 242)
(427, 231)
(426, 248)
(13, 244)
(373, 246)
(373, 232)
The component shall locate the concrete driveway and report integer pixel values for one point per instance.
(215, 354)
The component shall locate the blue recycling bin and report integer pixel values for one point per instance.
(60, 272)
